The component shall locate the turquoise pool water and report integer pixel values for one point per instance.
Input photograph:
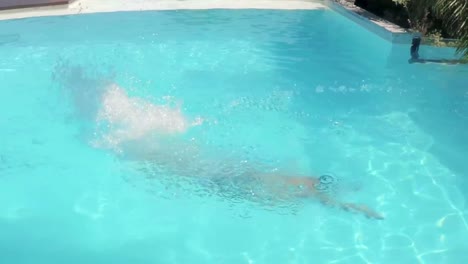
(304, 92)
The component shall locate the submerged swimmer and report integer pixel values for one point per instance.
(307, 187)
(284, 187)
(133, 123)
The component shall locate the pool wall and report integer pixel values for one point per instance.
(382, 28)
(379, 26)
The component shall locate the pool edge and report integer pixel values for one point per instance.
(376, 25)
(105, 6)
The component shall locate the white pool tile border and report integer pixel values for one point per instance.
(100, 6)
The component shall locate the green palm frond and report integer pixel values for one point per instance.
(462, 47)
(454, 14)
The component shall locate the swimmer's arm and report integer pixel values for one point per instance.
(350, 207)
(362, 209)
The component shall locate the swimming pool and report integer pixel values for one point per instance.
(306, 92)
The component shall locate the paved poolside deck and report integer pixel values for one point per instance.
(97, 6)
(11, 4)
